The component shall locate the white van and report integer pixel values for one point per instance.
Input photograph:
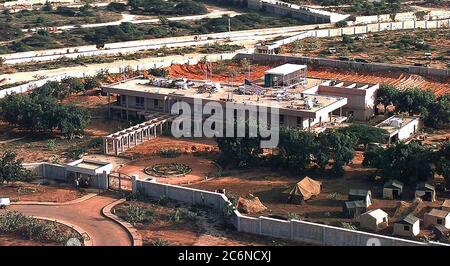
(4, 202)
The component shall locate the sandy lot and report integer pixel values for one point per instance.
(20, 191)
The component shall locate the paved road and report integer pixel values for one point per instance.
(86, 215)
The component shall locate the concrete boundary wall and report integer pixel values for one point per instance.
(362, 29)
(47, 170)
(138, 66)
(345, 65)
(295, 230)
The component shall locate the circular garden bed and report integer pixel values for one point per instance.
(168, 169)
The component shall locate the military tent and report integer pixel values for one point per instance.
(304, 190)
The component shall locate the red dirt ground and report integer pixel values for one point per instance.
(20, 191)
(398, 79)
(404, 80)
(200, 168)
(197, 72)
(161, 142)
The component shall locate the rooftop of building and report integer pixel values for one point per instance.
(289, 99)
(285, 69)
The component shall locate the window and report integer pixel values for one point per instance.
(406, 227)
(155, 102)
(139, 101)
(281, 119)
(123, 100)
(300, 122)
(439, 221)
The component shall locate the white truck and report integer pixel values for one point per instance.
(4, 202)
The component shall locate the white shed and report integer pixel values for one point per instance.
(437, 217)
(374, 220)
(407, 226)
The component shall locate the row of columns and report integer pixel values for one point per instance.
(132, 138)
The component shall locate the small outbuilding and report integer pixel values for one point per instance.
(407, 226)
(360, 194)
(303, 190)
(286, 75)
(425, 192)
(392, 189)
(446, 205)
(374, 220)
(437, 217)
(353, 209)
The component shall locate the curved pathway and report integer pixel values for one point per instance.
(86, 215)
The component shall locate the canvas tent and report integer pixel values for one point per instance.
(304, 190)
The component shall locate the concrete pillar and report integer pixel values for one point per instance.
(134, 183)
(135, 139)
(109, 105)
(116, 147)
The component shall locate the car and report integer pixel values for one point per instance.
(4, 202)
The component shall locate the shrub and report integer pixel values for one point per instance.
(159, 72)
(135, 214)
(34, 229)
(169, 153)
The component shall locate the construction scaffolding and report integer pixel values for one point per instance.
(119, 142)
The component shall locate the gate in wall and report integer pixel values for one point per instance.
(119, 182)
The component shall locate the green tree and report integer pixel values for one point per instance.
(72, 120)
(11, 168)
(438, 113)
(335, 146)
(387, 95)
(365, 134)
(408, 163)
(296, 148)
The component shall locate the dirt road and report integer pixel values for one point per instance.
(86, 215)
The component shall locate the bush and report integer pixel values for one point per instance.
(159, 72)
(114, 6)
(169, 153)
(135, 214)
(34, 229)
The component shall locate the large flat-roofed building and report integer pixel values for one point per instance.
(286, 76)
(138, 98)
(361, 97)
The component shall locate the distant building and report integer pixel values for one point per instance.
(437, 217)
(374, 220)
(353, 209)
(361, 97)
(360, 194)
(392, 189)
(287, 75)
(400, 128)
(407, 226)
(426, 192)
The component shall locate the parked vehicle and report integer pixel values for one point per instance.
(4, 202)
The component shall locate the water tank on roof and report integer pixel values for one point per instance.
(397, 122)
